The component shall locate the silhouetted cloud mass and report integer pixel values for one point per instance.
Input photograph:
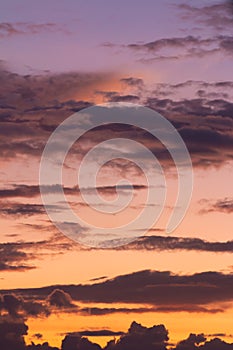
(11, 334)
(163, 291)
(17, 307)
(137, 337)
(60, 299)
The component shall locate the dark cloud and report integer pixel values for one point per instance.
(98, 278)
(21, 209)
(161, 243)
(209, 131)
(133, 82)
(219, 335)
(125, 98)
(24, 209)
(14, 255)
(97, 311)
(198, 107)
(29, 191)
(11, 334)
(199, 341)
(212, 95)
(221, 205)
(216, 344)
(60, 299)
(158, 289)
(34, 105)
(114, 96)
(73, 342)
(31, 106)
(32, 98)
(38, 335)
(20, 191)
(205, 125)
(96, 333)
(13, 258)
(44, 346)
(17, 307)
(207, 90)
(138, 337)
(192, 342)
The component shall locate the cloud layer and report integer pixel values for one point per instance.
(137, 337)
(155, 290)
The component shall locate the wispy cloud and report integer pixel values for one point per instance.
(163, 243)
(24, 28)
(222, 205)
(176, 48)
(217, 16)
(19, 256)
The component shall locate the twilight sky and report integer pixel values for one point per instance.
(59, 57)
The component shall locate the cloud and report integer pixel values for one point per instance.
(207, 130)
(216, 344)
(77, 342)
(11, 334)
(221, 206)
(12, 258)
(133, 82)
(161, 243)
(32, 107)
(44, 346)
(175, 42)
(38, 335)
(98, 278)
(191, 342)
(199, 341)
(212, 95)
(17, 307)
(21, 209)
(8, 30)
(29, 191)
(114, 96)
(97, 311)
(203, 89)
(60, 299)
(20, 191)
(159, 289)
(14, 255)
(182, 47)
(139, 337)
(96, 333)
(208, 127)
(216, 16)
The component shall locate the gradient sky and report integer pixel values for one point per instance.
(175, 57)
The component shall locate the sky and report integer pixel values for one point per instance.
(69, 284)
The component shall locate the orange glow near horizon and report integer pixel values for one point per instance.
(179, 325)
